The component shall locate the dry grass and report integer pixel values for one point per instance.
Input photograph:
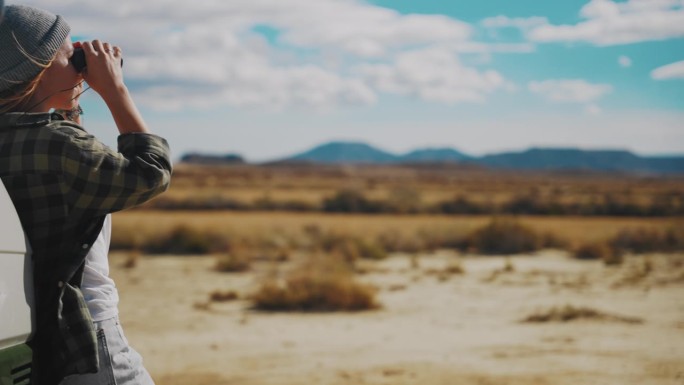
(183, 239)
(232, 262)
(407, 189)
(599, 251)
(320, 285)
(275, 235)
(132, 259)
(500, 237)
(223, 296)
(569, 313)
(143, 225)
(453, 268)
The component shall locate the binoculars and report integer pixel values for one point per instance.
(78, 59)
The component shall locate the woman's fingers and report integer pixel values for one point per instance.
(103, 72)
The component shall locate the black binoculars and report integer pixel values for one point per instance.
(78, 59)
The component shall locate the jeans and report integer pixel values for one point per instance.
(119, 363)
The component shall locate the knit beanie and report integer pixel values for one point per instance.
(28, 36)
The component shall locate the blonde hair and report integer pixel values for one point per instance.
(16, 98)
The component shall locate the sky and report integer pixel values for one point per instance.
(269, 78)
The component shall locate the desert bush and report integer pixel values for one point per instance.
(394, 241)
(131, 259)
(232, 262)
(553, 241)
(185, 240)
(599, 251)
(442, 238)
(451, 269)
(649, 240)
(501, 237)
(572, 313)
(349, 247)
(268, 204)
(196, 203)
(404, 200)
(223, 296)
(352, 201)
(593, 251)
(462, 205)
(126, 239)
(319, 285)
(370, 249)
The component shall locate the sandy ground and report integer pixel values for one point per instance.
(432, 329)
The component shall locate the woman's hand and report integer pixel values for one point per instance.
(104, 75)
(103, 71)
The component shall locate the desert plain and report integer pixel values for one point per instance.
(445, 316)
(461, 329)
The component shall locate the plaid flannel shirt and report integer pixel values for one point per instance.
(63, 182)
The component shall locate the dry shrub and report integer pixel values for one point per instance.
(223, 296)
(126, 238)
(369, 249)
(599, 251)
(593, 251)
(351, 248)
(352, 201)
(554, 241)
(571, 313)
(185, 240)
(131, 259)
(392, 240)
(614, 259)
(507, 268)
(443, 274)
(501, 237)
(267, 204)
(232, 263)
(404, 200)
(643, 240)
(636, 273)
(319, 285)
(442, 238)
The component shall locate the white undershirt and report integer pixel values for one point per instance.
(98, 289)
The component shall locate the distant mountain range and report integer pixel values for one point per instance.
(532, 159)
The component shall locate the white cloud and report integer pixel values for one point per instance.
(569, 90)
(592, 109)
(523, 23)
(671, 71)
(624, 61)
(612, 23)
(185, 54)
(433, 75)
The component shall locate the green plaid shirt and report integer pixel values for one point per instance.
(63, 182)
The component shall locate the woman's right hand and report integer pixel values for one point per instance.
(103, 70)
(104, 75)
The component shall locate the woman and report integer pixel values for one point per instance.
(64, 184)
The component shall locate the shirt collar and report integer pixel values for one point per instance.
(26, 119)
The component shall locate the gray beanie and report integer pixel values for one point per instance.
(27, 35)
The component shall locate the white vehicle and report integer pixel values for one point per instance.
(16, 293)
(16, 297)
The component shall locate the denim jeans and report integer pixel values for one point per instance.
(119, 363)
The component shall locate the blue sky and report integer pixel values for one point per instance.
(268, 78)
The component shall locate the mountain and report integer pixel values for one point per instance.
(566, 158)
(212, 159)
(345, 152)
(533, 159)
(442, 155)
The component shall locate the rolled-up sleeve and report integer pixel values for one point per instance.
(101, 180)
